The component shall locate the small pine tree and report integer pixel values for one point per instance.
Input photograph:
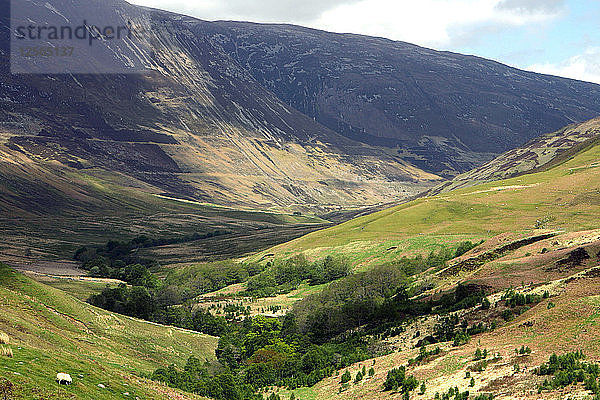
(423, 388)
(346, 377)
(485, 304)
(359, 377)
(472, 383)
(371, 371)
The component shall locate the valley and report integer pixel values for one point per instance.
(503, 265)
(274, 212)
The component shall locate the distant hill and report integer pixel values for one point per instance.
(195, 125)
(277, 117)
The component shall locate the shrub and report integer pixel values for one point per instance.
(460, 339)
(6, 351)
(464, 247)
(4, 338)
(359, 377)
(485, 304)
(479, 354)
(423, 355)
(346, 377)
(396, 380)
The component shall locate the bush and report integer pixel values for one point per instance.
(359, 377)
(464, 247)
(461, 338)
(6, 352)
(480, 354)
(397, 380)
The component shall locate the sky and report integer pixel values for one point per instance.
(558, 37)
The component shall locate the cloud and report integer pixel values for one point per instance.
(585, 66)
(532, 6)
(434, 23)
(437, 22)
(249, 10)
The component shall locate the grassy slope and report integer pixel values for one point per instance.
(567, 195)
(53, 332)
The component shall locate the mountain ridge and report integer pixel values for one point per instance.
(396, 103)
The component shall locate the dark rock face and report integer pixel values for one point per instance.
(447, 112)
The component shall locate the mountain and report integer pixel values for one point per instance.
(446, 113)
(276, 117)
(193, 124)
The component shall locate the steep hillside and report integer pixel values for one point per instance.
(194, 125)
(445, 112)
(106, 354)
(539, 154)
(563, 197)
(563, 323)
(48, 210)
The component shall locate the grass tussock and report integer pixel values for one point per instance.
(6, 352)
(4, 338)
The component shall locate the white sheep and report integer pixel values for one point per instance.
(63, 379)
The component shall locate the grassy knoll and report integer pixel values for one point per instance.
(52, 332)
(80, 288)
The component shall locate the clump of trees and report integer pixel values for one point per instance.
(261, 352)
(195, 378)
(379, 297)
(283, 276)
(424, 355)
(397, 380)
(139, 302)
(568, 369)
(452, 393)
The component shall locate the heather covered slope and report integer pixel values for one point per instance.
(52, 332)
(541, 153)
